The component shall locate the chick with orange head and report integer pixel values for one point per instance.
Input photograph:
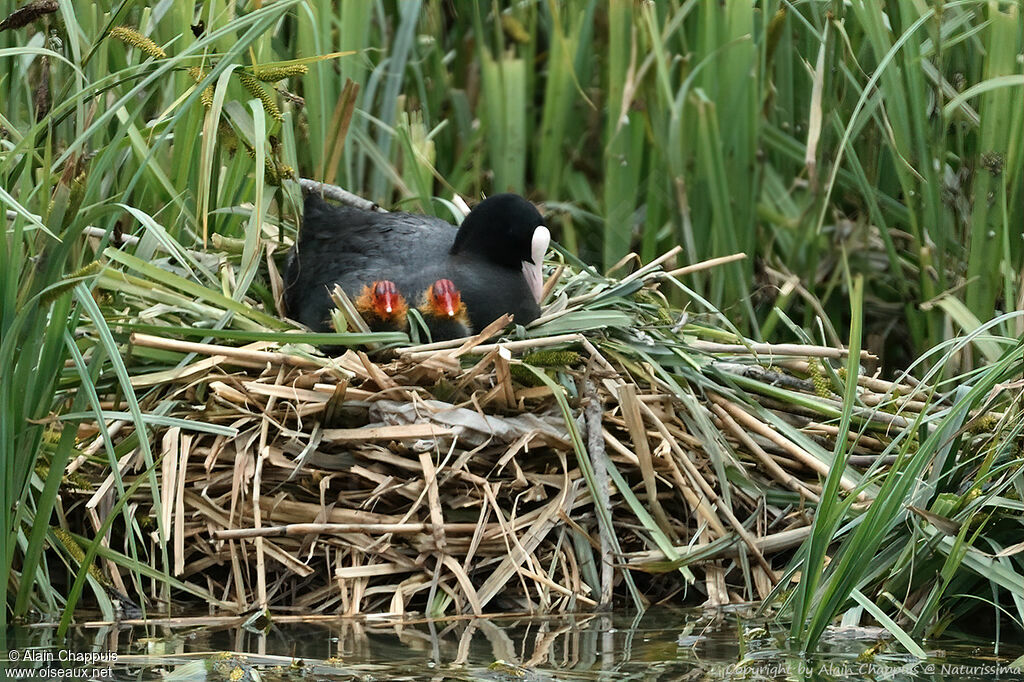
(383, 307)
(444, 312)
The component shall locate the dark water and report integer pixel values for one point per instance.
(662, 644)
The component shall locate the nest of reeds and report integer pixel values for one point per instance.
(616, 450)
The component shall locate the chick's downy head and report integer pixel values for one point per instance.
(381, 302)
(443, 300)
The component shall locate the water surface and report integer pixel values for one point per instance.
(661, 644)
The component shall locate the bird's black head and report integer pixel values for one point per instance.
(500, 229)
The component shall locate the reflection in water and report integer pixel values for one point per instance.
(660, 644)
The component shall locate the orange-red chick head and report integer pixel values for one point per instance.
(381, 302)
(443, 300)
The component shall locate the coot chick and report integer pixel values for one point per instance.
(382, 307)
(494, 259)
(444, 312)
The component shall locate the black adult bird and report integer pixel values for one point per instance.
(494, 259)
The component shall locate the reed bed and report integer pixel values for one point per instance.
(617, 449)
(849, 149)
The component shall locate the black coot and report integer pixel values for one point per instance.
(494, 259)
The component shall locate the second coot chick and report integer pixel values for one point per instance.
(444, 312)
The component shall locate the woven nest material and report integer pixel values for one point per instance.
(615, 451)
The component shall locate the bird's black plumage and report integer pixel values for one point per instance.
(353, 247)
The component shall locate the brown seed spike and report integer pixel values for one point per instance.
(29, 13)
(41, 98)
